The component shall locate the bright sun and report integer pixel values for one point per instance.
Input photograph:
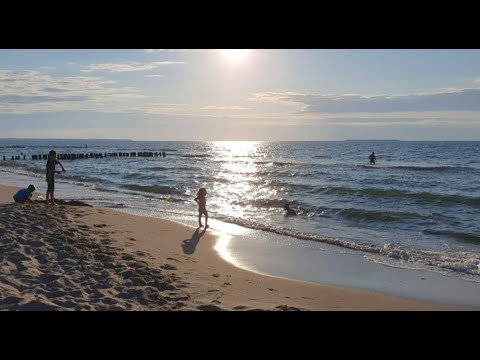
(235, 55)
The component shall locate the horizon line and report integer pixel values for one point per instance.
(120, 139)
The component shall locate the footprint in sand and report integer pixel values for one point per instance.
(209, 308)
(216, 275)
(287, 308)
(168, 267)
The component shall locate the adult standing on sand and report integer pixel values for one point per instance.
(51, 162)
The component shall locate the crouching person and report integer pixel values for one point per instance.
(24, 195)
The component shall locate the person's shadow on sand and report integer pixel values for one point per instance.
(189, 245)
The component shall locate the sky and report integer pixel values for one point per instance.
(236, 94)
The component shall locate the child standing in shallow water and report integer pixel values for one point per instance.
(202, 206)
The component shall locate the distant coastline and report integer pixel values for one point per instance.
(376, 140)
(69, 139)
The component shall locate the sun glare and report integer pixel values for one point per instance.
(235, 55)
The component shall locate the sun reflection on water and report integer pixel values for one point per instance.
(239, 183)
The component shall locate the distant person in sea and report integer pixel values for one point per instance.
(23, 196)
(201, 200)
(372, 158)
(51, 162)
(289, 211)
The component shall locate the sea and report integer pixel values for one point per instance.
(417, 208)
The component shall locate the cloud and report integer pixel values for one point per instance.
(191, 110)
(48, 67)
(284, 98)
(154, 76)
(459, 100)
(18, 99)
(31, 91)
(128, 67)
(28, 82)
(231, 107)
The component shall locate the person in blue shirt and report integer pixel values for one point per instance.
(24, 195)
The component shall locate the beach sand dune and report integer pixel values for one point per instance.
(71, 257)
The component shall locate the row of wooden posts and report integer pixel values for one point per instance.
(93, 155)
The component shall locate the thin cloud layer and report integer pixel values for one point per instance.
(461, 100)
(128, 67)
(30, 91)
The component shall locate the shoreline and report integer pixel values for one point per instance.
(317, 263)
(80, 258)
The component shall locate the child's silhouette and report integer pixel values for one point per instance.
(202, 206)
(52, 161)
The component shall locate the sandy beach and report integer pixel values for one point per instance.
(69, 257)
